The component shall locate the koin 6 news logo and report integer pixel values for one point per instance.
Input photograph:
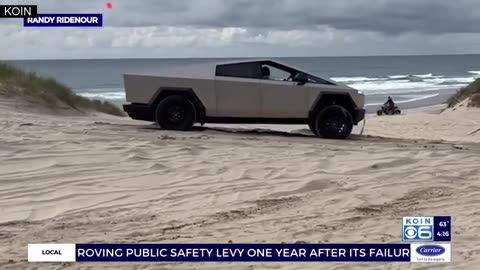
(18, 11)
(417, 229)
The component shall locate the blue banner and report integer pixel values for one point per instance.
(64, 20)
(442, 229)
(242, 252)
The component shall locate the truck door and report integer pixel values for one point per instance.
(236, 89)
(281, 97)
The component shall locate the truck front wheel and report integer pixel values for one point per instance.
(334, 122)
(311, 125)
(176, 113)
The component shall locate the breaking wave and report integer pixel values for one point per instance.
(406, 99)
(102, 93)
(406, 82)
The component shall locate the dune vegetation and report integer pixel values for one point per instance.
(48, 91)
(471, 92)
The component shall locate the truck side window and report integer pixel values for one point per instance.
(244, 70)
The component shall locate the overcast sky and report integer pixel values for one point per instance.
(249, 28)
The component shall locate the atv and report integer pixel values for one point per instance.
(389, 110)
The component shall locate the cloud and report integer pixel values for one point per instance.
(383, 16)
(169, 28)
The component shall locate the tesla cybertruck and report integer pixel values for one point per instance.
(248, 92)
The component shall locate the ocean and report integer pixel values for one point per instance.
(412, 81)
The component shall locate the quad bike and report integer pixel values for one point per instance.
(389, 110)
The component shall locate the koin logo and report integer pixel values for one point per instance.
(417, 229)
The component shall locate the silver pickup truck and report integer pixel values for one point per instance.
(249, 92)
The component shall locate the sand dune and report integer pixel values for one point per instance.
(104, 179)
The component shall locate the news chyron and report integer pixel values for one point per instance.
(31, 17)
(428, 230)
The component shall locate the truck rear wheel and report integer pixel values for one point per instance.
(334, 122)
(176, 113)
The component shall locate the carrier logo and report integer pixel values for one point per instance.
(417, 229)
(430, 253)
(430, 250)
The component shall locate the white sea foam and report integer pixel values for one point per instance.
(416, 97)
(474, 72)
(424, 75)
(100, 89)
(410, 83)
(384, 87)
(451, 80)
(355, 79)
(104, 95)
(412, 98)
(398, 76)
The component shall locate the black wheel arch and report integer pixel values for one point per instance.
(164, 92)
(326, 99)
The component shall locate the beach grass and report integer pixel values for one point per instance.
(472, 92)
(16, 82)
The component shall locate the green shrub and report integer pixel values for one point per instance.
(18, 82)
(471, 92)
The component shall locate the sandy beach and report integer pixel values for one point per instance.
(105, 179)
